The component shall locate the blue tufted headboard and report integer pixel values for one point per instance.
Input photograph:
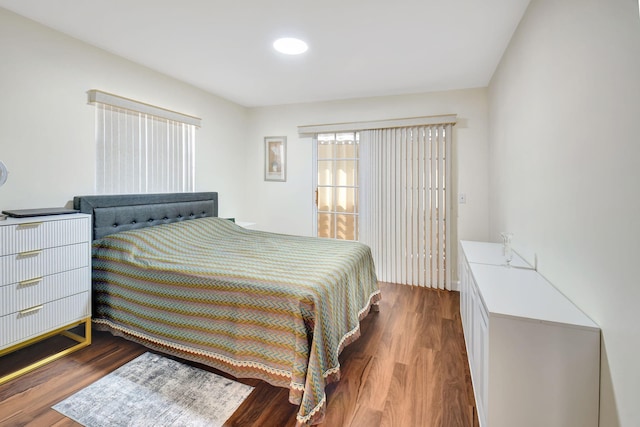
(114, 213)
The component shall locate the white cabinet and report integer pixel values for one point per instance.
(45, 281)
(534, 356)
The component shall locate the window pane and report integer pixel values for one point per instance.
(346, 200)
(346, 172)
(325, 199)
(356, 224)
(345, 137)
(325, 172)
(325, 151)
(346, 151)
(325, 225)
(345, 227)
(326, 137)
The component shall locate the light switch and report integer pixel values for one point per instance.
(462, 198)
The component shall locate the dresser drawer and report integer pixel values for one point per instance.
(27, 324)
(31, 265)
(30, 236)
(24, 295)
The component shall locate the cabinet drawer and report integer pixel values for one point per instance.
(21, 326)
(35, 235)
(31, 265)
(23, 295)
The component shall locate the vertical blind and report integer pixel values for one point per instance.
(405, 176)
(139, 150)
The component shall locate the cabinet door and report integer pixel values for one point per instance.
(474, 300)
(469, 297)
(482, 362)
(464, 296)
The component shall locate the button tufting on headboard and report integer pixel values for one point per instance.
(112, 214)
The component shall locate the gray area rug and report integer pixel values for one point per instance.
(152, 390)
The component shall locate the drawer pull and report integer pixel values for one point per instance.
(30, 281)
(32, 309)
(28, 225)
(30, 253)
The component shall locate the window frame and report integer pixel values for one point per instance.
(317, 186)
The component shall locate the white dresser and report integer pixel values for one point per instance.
(45, 282)
(534, 356)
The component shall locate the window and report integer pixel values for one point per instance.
(337, 185)
(142, 148)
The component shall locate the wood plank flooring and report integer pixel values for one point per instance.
(409, 368)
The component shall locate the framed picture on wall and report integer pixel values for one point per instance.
(275, 158)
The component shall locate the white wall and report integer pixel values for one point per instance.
(287, 207)
(47, 127)
(564, 108)
(47, 131)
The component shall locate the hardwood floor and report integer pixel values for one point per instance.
(409, 368)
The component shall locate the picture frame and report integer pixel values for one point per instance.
(275, 158)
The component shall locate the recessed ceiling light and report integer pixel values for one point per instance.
(290, 46)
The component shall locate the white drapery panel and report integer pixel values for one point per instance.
(139, 152)
(405, 176)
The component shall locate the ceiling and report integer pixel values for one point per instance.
(357, 48)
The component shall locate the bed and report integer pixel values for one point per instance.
(170, 274)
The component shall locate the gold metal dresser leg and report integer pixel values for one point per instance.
(82, 342)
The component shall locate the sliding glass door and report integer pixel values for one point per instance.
(337, 186)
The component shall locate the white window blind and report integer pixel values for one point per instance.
(142, 148)
(405, 203)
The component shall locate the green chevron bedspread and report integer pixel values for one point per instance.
(254, 304)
